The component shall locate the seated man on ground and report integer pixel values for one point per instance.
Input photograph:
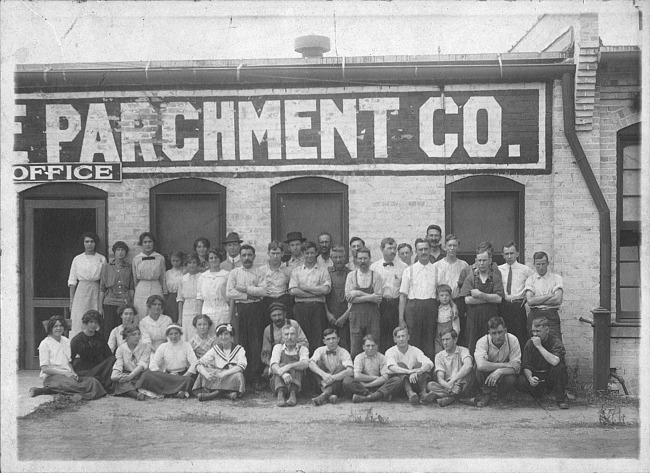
(370, 382)
(331, 364)
(498, 360)
(544, 366)
(411, 366)
(274, 335)
(288, 364)
(454, 371)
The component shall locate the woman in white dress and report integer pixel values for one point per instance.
(148, 274)
(127, 313)
(212, 290)
(188, 304)
(154, 325)
(83, 281)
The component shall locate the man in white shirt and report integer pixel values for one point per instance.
(363, 291)
(390, 269)
(243, 289)
(544, 293)
(411, 366)
(331, 364)
(514, 276)
(325, 245)
(309, 284)
(417, 305)
(232, 244)
(498, 360)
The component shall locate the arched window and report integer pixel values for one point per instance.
(53, 219)
(182, 210)
(628, 222)
(311, 205)
(485, 208)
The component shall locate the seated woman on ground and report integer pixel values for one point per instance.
(202, 341)
(172, 368)
(58, 377)
(127, 313)
(95, 358)
(154, 326)
(221, 369)
(132, 360)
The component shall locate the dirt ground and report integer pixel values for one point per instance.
(255, 429)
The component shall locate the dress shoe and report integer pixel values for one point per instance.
(292, 401)
(281, 400)
(319, 400)
(428, 398)
(445, 401)
(414, 398)
(357, 398)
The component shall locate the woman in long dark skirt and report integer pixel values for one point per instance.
(58, 377)
(172, 368)
(95, 357)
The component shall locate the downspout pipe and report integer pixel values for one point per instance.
(568, 105)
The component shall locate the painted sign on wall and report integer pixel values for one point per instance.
(469, 128)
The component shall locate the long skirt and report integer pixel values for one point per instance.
(159, 382)
(88, 387)
(232, 382)
(122, 388)
(171, 306)
(85, 298)
(143, 290)
(101, 372)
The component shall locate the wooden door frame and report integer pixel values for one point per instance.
(309, 185)
(69, 196)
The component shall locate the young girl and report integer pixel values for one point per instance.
(447, 314)
(188, 304)
(173, 279)
(202, 340)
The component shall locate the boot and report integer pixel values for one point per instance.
(374, 397)
(208, 396)
(292, 398)
(320, 400)
(281, 400)
(33, 392)
(357, 398)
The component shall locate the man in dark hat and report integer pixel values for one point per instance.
(232, 244)
(295, 241)
(273, 333)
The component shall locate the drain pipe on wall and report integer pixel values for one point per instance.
(602, 314)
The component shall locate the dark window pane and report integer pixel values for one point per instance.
(312, 214)
(57, 240)
(630, 299)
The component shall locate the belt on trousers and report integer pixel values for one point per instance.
(517, 301)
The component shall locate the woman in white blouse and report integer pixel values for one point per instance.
(148, 273)
(212, 290)
(83, 281)
(154, 325)
(172, 368)
(56, 368)
(127, 313)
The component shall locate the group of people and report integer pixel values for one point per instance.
(207, 320)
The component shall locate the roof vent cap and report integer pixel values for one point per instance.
(312, 45)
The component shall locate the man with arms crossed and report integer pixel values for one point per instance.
(498, 359)
(390, 269)
(544, 294)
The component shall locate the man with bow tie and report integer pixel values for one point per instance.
(514, 276)
(390, 269)
(332, 364)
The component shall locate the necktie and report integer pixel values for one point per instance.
(509, 286)
(331, 352)
(146, 258)
(389, 264)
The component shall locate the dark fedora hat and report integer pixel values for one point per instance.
(232, 238)
(293, 236)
